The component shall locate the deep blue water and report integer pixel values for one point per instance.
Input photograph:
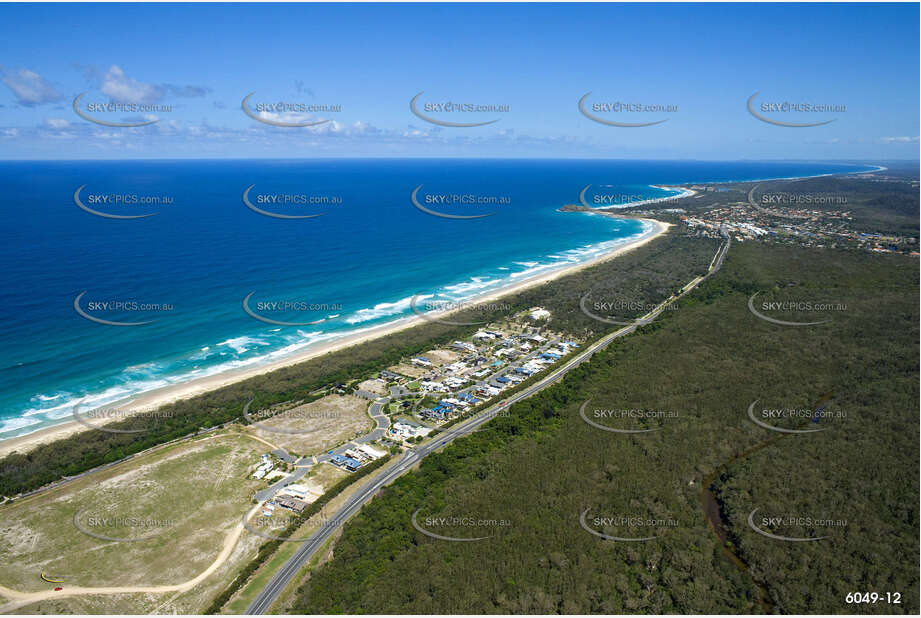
(203, 253)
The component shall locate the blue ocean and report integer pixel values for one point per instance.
(185, 270)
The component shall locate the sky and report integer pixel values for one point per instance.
(697, 65)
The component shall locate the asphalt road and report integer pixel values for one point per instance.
(303, 465)
(290, 569)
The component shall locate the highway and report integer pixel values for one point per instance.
(268, 595)
(302, 466)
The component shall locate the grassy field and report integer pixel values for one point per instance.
(182, 501)
(326, 475)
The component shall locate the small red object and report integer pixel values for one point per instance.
(58, 588)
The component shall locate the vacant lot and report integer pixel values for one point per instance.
(314, 427)
(441, 357)
(325, 476)
(167, 516)
(407, 370)
(374, 386)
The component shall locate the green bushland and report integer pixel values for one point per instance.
(542, 466)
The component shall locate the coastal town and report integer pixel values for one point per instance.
(762, 212)
(412, 400)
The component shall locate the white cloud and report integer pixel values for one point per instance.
(899, 140)
(30, 88)
(123, 89)
(57, 123)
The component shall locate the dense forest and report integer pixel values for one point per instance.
(543, 466)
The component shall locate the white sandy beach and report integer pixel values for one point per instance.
(168, 394)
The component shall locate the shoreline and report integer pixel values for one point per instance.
(879, 168)
(168, 394)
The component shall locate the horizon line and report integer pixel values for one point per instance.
(460, 158)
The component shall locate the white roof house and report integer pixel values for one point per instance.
(298, 491)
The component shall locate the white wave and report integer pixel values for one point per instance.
(143, 368)
(39, 415)
(94, 400)
(12, 424)
(243, 344)
(475, 283)
(381, 310)
(538, 267)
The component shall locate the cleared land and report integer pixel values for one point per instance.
(315, 426)
(406, 369)
(441, 357)
(374, 386)
(182, 501)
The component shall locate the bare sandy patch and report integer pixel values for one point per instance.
(315, 427)
(374, 386)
